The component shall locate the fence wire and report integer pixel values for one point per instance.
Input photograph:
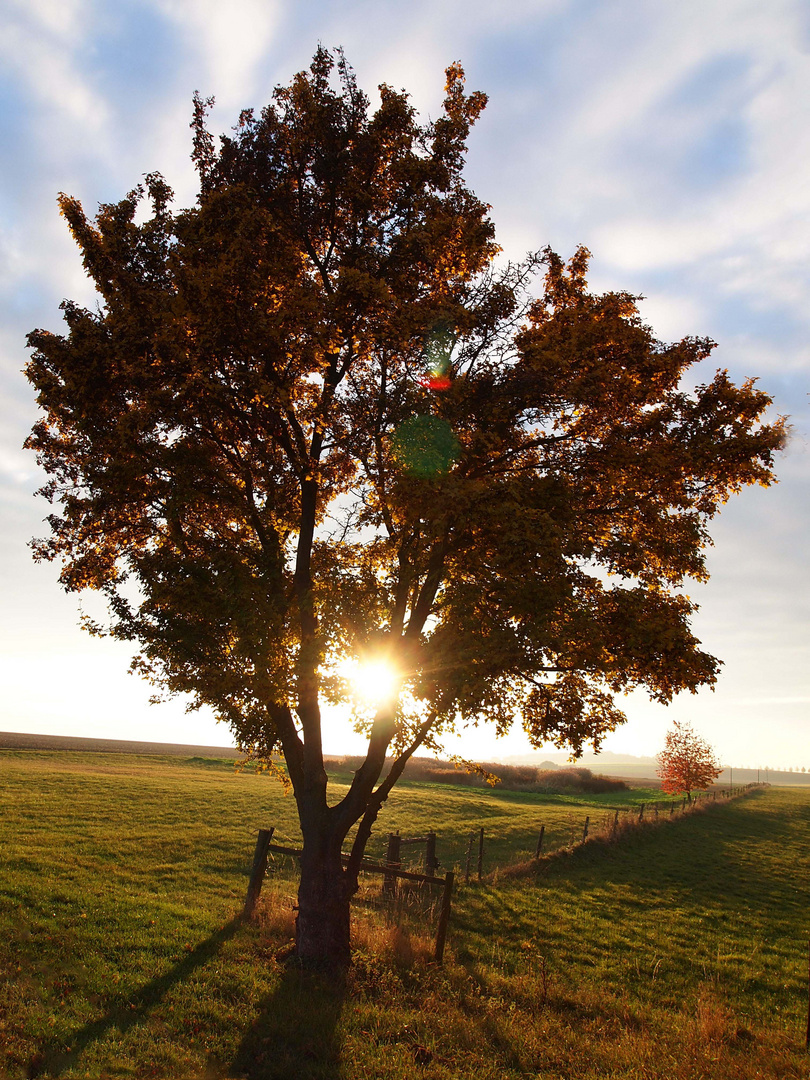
(413, 906)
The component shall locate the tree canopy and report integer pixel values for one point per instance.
(687, 763)
(314, 418)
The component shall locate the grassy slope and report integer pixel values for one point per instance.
(679, 952)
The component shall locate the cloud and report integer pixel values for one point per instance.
(62, 18)
(231, 38)
(671, 139)
(754, 701)
(42, 43)
(751, 224)
(664, 137)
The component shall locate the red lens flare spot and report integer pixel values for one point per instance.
(435, 382)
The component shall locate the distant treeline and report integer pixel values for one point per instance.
(511, 777)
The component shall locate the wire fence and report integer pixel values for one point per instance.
(387, 896)
(408, 902)
(410, 886)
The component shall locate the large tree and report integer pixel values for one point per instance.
(311, 422)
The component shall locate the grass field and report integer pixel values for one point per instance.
(678, 952)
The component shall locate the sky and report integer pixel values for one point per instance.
(673, 140)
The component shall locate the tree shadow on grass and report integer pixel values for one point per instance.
(295, 1034)
(54, 1061)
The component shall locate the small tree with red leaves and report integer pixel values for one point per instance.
(687, 762)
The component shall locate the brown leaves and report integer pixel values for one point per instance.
(311, 417)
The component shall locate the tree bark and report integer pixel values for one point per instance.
(322, 926)
(325, 889)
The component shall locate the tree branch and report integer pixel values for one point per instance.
(430, 586)
(381, 794)
(291, 744)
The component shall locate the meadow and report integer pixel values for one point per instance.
(677, 951)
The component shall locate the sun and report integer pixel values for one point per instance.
(373, 681)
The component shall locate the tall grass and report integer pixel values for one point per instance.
(678, 952)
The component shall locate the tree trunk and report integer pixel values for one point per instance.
(322, 936)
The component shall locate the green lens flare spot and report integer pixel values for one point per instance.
(425, 446)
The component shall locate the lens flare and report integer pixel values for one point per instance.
(436, 354)
(425, 446)
(374, 681)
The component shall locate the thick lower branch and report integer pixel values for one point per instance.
(379, 796)
(309, 651)
(354, 803)
(291, 744)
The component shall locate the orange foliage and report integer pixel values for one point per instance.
(687, 762)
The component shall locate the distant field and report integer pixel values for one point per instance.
(637, 775)
(679, 952)
(16, 740)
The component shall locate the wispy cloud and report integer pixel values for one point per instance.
(42, 43)
(231, 39)
(672, 139)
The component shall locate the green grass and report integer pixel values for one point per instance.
(679, 951)
(511, 819)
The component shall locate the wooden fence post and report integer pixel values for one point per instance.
(540, 842)
(444, 916)
(469, 858)
(481, 853)
(641, 812)
(615, 822)
(585, 829)
(431, 862)
(258, 871)
(393, 860)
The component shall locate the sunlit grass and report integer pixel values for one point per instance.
(678, 952)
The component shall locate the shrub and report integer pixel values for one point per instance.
(511, 777)
(579, 779)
